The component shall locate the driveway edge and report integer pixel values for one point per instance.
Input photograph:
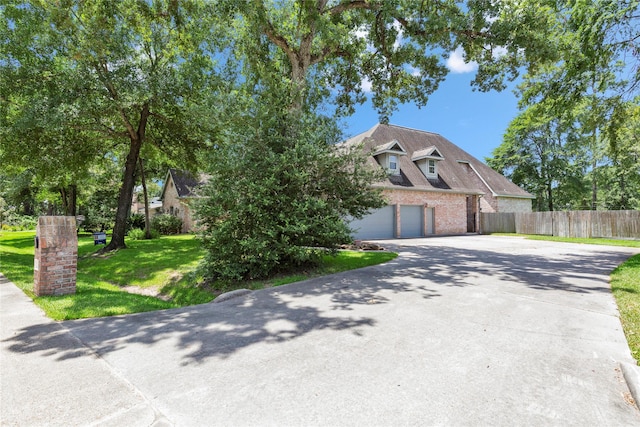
(631, 374)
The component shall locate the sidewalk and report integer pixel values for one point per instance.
(49, 378)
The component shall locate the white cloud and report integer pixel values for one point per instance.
(456, 64)
(499, 51)
(362, 32)
(365, 84)
(398, 27)
(415, 71)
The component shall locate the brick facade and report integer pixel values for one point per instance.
(449, 209)
(56, 256)
(174, 205)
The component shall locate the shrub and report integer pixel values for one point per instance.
(17, 222)
(272, 202)
(137, 234)
(136, 220)
(166, 224)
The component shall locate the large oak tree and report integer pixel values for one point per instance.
(117, 74)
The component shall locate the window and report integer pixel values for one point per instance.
(393, 164)
(431, 167)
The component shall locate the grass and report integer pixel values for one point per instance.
(168, 265)
(625, 285)
(586, 241)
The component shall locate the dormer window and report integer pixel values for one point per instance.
(427, 160)
(431, 167)
(388, 156)
(393, 165)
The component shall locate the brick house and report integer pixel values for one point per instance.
(177, 194)
(433, 186)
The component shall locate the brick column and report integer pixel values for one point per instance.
(56, 256)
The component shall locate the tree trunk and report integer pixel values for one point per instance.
(147, 221)
(124, 199)
(72, 206)
(594, 187)
(65, 200)
(69, 196)
(128, 182)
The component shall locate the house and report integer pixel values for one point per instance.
(432, 187)
(137, 207)
(177, 193)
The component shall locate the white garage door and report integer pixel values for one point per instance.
(380, 224)
(411, 218)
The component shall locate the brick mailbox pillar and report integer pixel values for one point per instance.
(56, 256)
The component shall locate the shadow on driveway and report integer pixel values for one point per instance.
(290, 312)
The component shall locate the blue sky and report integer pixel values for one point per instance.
(474, 121)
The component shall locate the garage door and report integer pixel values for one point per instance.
(380, 224)
(411, 218)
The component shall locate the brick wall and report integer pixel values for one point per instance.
(450, 210)
(488, 203)
(56, 256)
(171, 204)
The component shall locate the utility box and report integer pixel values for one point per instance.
(56, 256)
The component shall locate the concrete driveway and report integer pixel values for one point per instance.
(469, 330)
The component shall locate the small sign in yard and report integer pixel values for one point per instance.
(99, 238)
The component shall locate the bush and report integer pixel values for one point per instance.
(17, 222)
(137, 234)
(274, 201)
(166, 224)
(136, 221)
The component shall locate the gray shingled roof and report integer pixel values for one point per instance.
(457, 172)
(185, 182)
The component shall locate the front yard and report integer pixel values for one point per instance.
(148, 275)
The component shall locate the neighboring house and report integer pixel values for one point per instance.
(155, 204)
(433, 186)
(177, 194)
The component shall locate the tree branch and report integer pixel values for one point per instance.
(351, 5)
(103, 70)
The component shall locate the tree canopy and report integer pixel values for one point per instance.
(102, 78)
(570, 136)
(328, 49)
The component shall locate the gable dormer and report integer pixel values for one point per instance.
(388, 156)
(427, 160)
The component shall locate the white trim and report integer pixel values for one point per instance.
(388, 148)
(427, 153)
(516, 197)
(429, 190)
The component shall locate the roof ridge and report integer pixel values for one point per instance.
(414, 129)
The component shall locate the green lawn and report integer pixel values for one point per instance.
(167, 265)
(625, 284)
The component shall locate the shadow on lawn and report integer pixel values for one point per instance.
(333, 302)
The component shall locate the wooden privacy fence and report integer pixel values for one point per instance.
(606, 224)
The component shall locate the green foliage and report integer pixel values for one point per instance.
(88, 81)
(326, 50)
(136, 221)
(279, 190)
(15, 222)
(139, 234)
(166, 224)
